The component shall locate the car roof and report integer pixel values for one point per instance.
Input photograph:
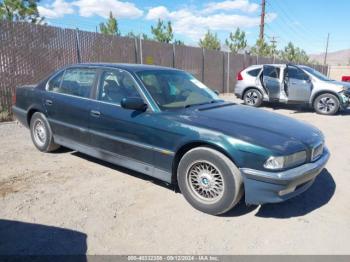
(127, 67)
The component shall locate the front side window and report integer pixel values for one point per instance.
(76, 82)
(116, 85)
(296, 73)
(175, 89)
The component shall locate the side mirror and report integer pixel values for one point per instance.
(134, 103)
(216, 92)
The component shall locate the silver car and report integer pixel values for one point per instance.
(292, 84)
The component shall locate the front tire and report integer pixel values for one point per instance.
(41, 133)
(326, 104)
(209, 180)
(253, 97)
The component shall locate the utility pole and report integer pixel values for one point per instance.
(262, 20)
(274, 45)
(326, 53)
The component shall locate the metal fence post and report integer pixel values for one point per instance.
(228, 72)
(136, 50)
(141, 59)
(203, 53)
(78, 45)
(174, 55)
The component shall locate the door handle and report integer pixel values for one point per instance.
(48, 102)
(95, 113)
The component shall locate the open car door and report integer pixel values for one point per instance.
(298, 83)
(271, 81)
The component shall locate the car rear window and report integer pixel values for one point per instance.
(254, 72)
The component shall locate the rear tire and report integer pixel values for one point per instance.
(209, 180)
(326, 104)
(41, 133)
(253, 97)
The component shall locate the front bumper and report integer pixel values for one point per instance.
(271, 187)
(344, 99)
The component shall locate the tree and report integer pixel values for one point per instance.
(162, 32)
(294, 54)
(210, 41)
(20, 11)
(236, 41)
(178, 42)
(261, 48)
(111, 26)
(133, 35)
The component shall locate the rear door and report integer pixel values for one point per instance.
(68, 103)
(299, 85)
(271, 81)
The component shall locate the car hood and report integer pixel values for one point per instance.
(256, 126)
(338, 85)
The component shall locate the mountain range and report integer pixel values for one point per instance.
(341, 57)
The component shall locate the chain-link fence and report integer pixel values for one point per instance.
(28, 53)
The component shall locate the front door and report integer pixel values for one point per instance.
(123, 135)
(67, 102)
(271, 81)
(299, 85)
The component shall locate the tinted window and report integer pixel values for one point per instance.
(272, 71)
(296, 73)
(55, 82)
(254, 72)
(175, 89)
(76, 82)
(116, 85)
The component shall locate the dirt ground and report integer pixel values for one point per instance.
(66, 202)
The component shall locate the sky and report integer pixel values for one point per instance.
(306, 23)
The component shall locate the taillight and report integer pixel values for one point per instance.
(14, 98)
(239, 76)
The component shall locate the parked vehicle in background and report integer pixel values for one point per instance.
(287, 83)
(165, 123)
(345, 78)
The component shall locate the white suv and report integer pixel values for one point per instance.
(286, 83)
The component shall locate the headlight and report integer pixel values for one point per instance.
(281, 162)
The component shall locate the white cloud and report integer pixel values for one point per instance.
(194, 23)
(158, 12)
(102, 8)
(57, 9)
(88, 8)
(241, 5)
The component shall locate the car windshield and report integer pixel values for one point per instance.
(316, 74)
(176, 89)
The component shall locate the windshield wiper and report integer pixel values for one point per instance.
(205, 103)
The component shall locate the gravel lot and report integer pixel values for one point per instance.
(67, 202)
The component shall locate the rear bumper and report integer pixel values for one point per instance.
(20, 115)
(269, 187)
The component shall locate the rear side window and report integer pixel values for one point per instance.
(271, 71)
(254, 72)
(55, 83)
(76, 82)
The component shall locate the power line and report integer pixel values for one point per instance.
(288, 22)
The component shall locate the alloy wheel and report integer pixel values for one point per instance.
(205, 181)
(326, 104)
